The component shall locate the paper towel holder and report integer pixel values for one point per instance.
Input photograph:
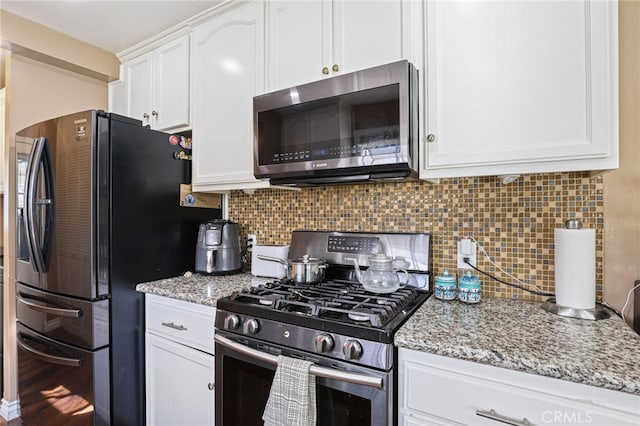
(597, 313)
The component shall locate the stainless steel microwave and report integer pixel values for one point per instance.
(356, 127)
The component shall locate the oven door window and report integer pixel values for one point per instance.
(246, 388)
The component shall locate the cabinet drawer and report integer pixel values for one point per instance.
(461, 391)
(188, 323)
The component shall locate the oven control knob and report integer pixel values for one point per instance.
(352, 349)
(231, 322)
(250, 326)
(324, 343)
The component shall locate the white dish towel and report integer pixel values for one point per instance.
(292, 400)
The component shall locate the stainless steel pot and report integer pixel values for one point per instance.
(306, 270)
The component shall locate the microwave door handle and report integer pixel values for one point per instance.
(327, 373)
(53, 359)
(29, 202)
(48, 204)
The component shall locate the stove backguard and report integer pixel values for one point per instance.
(342, 248)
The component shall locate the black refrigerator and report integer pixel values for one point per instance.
(98, 211)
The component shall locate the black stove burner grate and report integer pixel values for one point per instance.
(339, 301)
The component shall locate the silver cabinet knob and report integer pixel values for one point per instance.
(231, 322)
(335, 68)
(431, 137)
(324, 343)
(250, 326)
(145, 116)
(154, 113)
(211, 386)
(325, 70)
(352, 349)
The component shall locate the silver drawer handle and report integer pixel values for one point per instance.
(175, 327)
(493, 415)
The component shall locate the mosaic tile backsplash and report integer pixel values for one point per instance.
(512, 222)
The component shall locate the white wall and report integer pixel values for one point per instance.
(622, 186)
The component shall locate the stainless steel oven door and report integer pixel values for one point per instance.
(346, 394)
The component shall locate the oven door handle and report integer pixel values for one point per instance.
(328, 373)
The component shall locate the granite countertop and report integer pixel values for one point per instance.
(512, 334)
(522, 336)
(202, 289)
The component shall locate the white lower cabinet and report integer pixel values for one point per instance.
(440, 390)
(179, 362)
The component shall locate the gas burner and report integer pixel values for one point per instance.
(337, 301)
(269, 299)
(359, 314)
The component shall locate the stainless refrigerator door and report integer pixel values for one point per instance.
(75, 321)
(60, 209)
(61, 384)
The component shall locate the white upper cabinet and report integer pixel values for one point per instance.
(311, 40)
(520, 87)
(138, 77)
(228, 71)
(157, 86)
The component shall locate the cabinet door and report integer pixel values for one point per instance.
(138, 78)
(171, 85)
(179, 383)
(433, 387)
(371, 33)
(299, 42)
(520, 87)
(228, 70)
(118, 97)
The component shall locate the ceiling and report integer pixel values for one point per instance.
(111, 25)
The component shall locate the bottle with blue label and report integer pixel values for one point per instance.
(469, 288)
(445, 286)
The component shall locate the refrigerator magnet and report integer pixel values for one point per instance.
(185, 142)
(182, 156)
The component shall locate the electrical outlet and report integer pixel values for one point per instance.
(251, 241)
(466, 248)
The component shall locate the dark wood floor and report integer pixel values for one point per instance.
(14, 422)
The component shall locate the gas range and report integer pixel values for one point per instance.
(336, 319)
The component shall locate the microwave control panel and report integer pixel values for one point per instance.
(369, 149)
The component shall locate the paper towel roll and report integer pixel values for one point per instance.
(575, 258)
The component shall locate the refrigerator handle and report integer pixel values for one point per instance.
(40, 251)
(49, 203)
(30, 190)
(49, 307)
(53, 359)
